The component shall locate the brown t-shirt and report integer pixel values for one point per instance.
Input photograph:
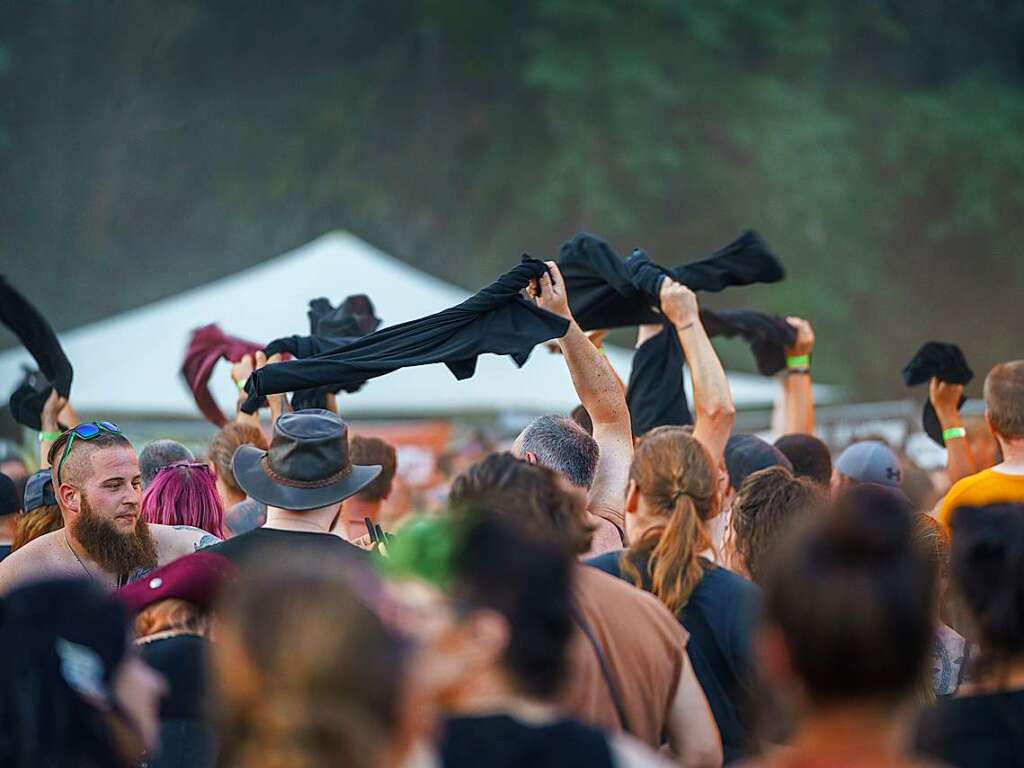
(644, 648)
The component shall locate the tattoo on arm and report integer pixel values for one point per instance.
(207, 540)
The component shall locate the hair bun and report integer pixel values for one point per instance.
(870, 522)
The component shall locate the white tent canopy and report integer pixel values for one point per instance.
(129, 365)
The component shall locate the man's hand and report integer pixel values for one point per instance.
(804, 343)
(51, 410)
(549, 292)
(945, 398)
(242, 370)
(678, 303)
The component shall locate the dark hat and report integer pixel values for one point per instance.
(9, 501)
(746, 454)
(196, 579)
(39, 491)
(307, 466)
(871, 462)
(946, 362)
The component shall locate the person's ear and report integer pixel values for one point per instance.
(488, 634)
(632, 498)
(531, 457)
(69, 497)
(988, 422)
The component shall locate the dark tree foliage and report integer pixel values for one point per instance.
(147, 146)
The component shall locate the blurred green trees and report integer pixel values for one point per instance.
(878, 146)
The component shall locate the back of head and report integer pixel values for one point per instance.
(306, 674)
(768, 503)
(158, 454)
(370, 451)
(917, 484)
(746, 454)
(988, 573)
(497, 565)
(185, 494)
(1004, 399)
(61, 643)
(809, 456)
(854, 601)
(225, 443)
(562, 445)
(870, 461)
(10, 500)
(676, 479)
(531, 494)
(38, 522)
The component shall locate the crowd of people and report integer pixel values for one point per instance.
(585, 594)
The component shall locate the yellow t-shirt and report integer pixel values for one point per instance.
(987, 487)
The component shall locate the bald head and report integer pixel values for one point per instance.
(1004, 400)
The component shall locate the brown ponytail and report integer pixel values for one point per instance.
(677, 481)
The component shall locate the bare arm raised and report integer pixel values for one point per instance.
(714, 411)
(601, 393)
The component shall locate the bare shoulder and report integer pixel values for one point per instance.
(38, 558)
(174, 541)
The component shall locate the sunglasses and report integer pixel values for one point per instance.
(185, 465)
(86, 431)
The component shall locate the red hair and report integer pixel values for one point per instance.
(185, 494)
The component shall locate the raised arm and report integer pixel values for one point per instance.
(54, 406)
(601, 393)
(945, 398)
(713, 408)
(799, 394)
(240, 373)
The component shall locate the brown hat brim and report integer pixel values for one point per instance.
(251, 476)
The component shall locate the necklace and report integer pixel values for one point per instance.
(87, 571)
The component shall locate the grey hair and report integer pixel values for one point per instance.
(158, 454)
(562, 445)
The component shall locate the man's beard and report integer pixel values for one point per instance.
(115, 552)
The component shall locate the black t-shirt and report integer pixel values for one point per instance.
(973, 731)
(241, 548)
(5, 550)
(500, 741)
(186, 737)
(720, 616)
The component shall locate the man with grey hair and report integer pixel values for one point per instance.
(598, 466)
(161, 453)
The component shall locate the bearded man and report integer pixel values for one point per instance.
(98, 486)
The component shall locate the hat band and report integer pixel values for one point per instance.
(287, 481)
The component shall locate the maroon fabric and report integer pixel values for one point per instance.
(208, 345)
(196, 579)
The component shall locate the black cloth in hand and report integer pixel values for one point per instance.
(496, 320)
(937, 359)
(603, 293)
(655, 395)
(767, 335)
(39, 338)
(942, 361)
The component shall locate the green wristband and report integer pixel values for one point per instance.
(240, 385)
(798, 361)
(49, 437)
(953, 432)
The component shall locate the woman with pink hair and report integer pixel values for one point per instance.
(185, 494)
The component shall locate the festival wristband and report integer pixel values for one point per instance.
(953, 432)
(49, 437)
(799, 361)
(240, 385)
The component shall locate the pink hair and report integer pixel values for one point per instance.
(185, 495)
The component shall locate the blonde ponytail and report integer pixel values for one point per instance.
(674, 475)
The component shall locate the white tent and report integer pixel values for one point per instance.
(128, 365)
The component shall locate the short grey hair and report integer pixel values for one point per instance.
(562, 445)
(158, 454)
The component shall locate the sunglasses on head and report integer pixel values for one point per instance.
(184, 465)
(85, 431)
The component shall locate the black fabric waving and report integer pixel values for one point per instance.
(39, 338)
(946, 362)
(496, 320)
(655, 395)
(604, 294)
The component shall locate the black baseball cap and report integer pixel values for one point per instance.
(9, 501)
